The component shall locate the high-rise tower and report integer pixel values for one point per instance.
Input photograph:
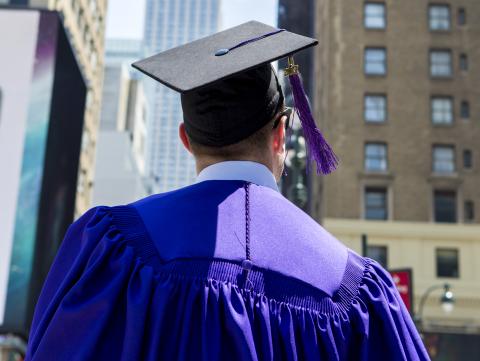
(169, 23)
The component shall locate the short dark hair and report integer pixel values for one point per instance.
(257, 142)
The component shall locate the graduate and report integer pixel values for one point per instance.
(227, 268)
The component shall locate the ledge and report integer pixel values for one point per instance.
(376, 175)
(445, 179)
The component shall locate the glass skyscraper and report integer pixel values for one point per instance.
(169, 23)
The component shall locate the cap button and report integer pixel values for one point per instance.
(221, 52)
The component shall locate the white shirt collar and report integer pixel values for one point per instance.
(239, 170)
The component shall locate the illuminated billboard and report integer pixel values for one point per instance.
(41, 120)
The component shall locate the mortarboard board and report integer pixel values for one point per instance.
(229, 89)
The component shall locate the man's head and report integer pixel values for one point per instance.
(237, 118)
(229, 90)
(266, 146)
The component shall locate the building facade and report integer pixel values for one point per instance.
(85, 21)
(169, 23)
(120, 166)
(397, 89)
(121, 84)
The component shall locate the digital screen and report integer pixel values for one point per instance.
(26, 80)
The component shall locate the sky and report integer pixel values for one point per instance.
(125, 17)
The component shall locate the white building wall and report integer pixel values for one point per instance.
(139, 132)
(120, 157)
(117, 178)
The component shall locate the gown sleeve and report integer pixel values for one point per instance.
(387, 331)
(80, 312)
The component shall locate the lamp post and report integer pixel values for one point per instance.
(364, 245)
(447, 300)
(297, 191)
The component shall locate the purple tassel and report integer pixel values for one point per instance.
(317, 147)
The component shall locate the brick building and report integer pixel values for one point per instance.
(397, 89)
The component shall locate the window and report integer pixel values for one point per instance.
(379, 254)
(439, 17)
(375, 61)
(445, 206)
(440, 63)
(463, 62)
(467, 159)
(447, 262)
(469, 211)
(465, 109)
(442, 110)
(443, 159)
(376, 204)
(375, 157)
(374, 16)
(375, 108)
(462, 16)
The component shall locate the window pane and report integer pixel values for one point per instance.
(447, 262)
(379, 254)
(462, 16)
(469, 211)
(375, 157)
(465, 110)
(467, 158)
(439, 17)
(375, 108)
(443, 159)
(442, 110)
(444, 204)
(375, 61)
(440, 63)
(374, 16)
(376, 203)
(463, 62)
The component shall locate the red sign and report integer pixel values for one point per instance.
(403, 281)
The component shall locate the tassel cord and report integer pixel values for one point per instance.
(317, 147)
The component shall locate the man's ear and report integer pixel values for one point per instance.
(183, 136)
(279, 136)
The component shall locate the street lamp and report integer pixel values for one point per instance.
(447, 300)
(297, 191)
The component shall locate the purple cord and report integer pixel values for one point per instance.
(221, 52)
(247, 263)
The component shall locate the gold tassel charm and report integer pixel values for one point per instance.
(292, 68)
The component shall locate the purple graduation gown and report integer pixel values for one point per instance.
(161, 279)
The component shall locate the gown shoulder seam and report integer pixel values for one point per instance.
(129, 222)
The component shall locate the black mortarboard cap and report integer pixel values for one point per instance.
(194, 65)
(229, 89)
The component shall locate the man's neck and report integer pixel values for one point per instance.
(248, 171)
(202, 163)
